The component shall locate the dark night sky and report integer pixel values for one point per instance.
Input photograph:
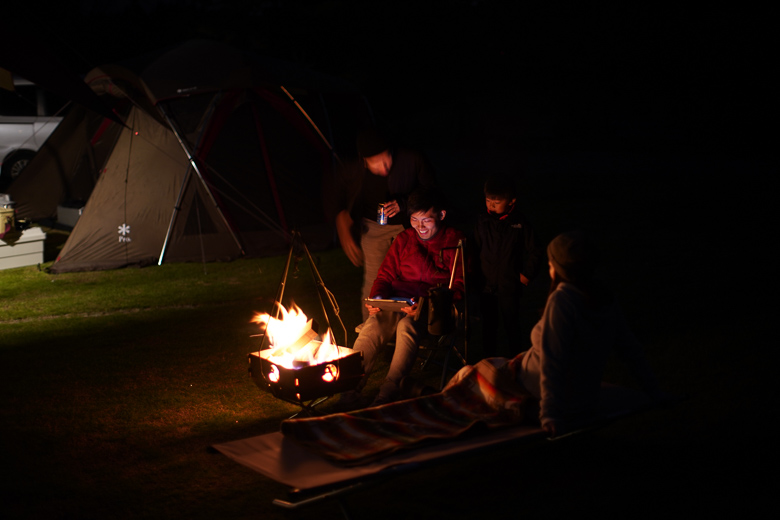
(552, 76)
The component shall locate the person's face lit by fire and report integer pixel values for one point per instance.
(380, 164)
(427, 223)
(498, 205)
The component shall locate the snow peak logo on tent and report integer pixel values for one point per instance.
(124, 231)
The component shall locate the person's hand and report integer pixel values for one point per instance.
(524, 280)
(351, 249)
(551, 429)
(516, 362)
(392, 209)
(372, 310)
(411, 310)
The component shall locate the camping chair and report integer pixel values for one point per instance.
(447, 324)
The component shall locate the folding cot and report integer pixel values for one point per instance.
(314, 476)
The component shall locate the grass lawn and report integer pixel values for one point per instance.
(113, 384)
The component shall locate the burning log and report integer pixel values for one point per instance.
(299, 366)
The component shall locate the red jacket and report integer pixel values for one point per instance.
(412, 266)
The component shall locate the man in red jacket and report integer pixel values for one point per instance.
(420, 258)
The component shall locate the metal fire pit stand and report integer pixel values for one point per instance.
(297, 240)
(307, 408)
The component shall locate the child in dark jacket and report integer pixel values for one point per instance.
(509, 258)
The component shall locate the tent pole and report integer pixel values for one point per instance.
(334, 158)
(195, 168)
(184, 184)
(311, 122)
(176, 209)
(269, 171)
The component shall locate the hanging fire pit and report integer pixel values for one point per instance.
(299, 367)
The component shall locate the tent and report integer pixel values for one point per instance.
(221, 156)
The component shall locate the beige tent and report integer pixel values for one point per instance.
(222, 156)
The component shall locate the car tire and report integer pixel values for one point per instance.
(13, 167)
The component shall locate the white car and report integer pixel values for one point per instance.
(28, 116)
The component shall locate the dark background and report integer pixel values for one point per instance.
(672, 102)
(534, 75)
(651, 124)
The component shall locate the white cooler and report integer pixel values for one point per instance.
(21, 250)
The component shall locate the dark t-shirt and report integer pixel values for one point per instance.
(373, 192)
(358, 190)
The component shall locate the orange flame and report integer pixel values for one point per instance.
(293, 342)
(287, 330)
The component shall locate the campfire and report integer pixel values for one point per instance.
(301, 365)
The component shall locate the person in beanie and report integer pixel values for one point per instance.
(509, 258)
(381, 174)
(580, 326)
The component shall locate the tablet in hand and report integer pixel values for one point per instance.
(394, 305)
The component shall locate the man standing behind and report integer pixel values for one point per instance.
(380, 175)
(419, 258)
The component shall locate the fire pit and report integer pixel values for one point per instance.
(301, 368)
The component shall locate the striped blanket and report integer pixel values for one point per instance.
(482, 395)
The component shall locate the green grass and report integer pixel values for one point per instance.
(113, 384)
(29, 293)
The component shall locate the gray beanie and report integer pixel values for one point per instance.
(573, 255)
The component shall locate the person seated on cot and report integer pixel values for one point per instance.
(580, 326)
(419, 259)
